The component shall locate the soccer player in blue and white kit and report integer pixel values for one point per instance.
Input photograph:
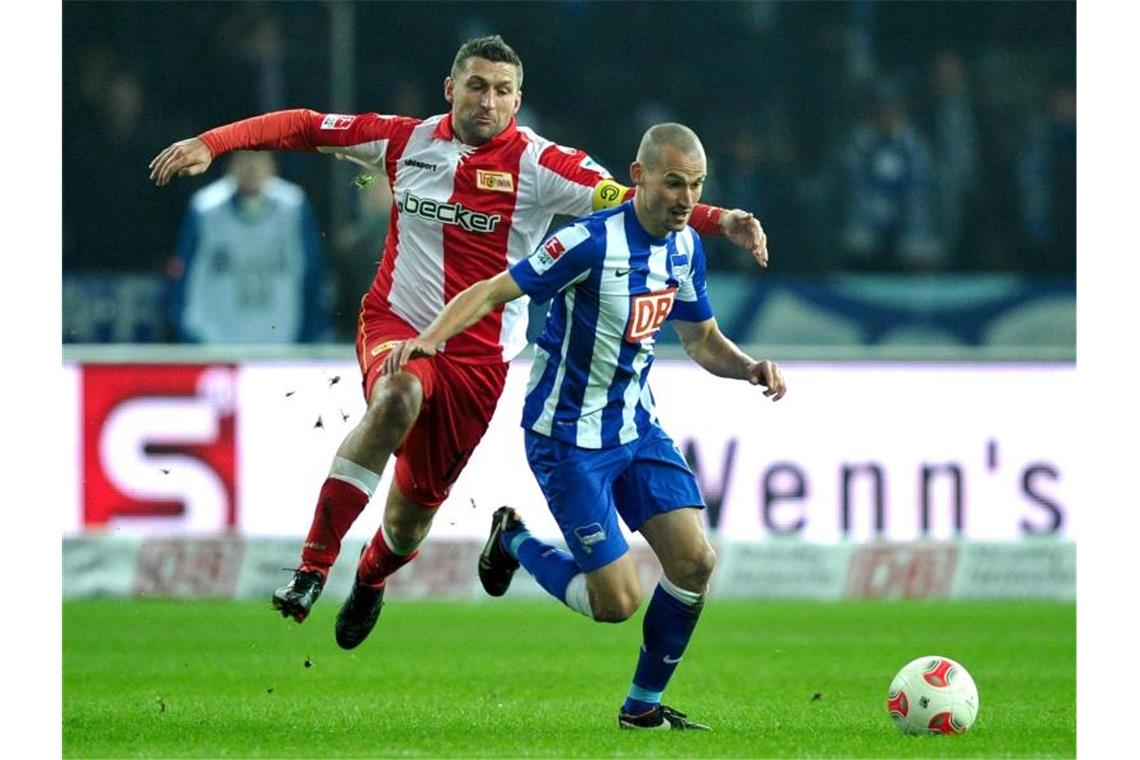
(592, 438)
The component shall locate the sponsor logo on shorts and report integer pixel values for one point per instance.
(337, 121)
(380, 348)
(591, 534)
(501, 182)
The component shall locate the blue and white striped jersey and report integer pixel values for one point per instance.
(615, 286)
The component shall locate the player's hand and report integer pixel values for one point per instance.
(744, 229)
(184, 158)
(403, 352)
(768, 374)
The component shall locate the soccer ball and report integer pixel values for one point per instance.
(933, 695)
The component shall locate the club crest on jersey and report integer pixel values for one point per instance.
(647, 312)
(679, 265)
(337, 121)
(501, 182)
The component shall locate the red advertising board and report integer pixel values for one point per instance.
(159, 446)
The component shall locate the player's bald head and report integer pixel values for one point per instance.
(659, 137)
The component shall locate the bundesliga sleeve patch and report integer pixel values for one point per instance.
(337, 121)
(555, 246)
(545, 257)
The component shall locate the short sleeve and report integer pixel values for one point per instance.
(565, 259)
(691, 303)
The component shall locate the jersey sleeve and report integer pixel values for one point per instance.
(691, 304)
(567, 178)
(565, 259)
(364, 137)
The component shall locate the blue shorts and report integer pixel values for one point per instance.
(588, 488)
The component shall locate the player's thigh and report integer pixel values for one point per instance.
(658, 495)
(679, 540)
(450, 425)
(377, 334)
(578, 486)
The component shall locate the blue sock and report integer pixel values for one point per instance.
(550, 566)
(668, 625)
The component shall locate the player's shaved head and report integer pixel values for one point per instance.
(669, 135)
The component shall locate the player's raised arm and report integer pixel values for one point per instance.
(710, 348)
(364, 137)
(461, 312)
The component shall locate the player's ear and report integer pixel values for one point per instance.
(518, 102)
(449, 89)
(635, 172)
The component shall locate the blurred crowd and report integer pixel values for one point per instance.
(867, 137)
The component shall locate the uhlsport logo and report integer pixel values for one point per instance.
(448, 213)
(647, 312)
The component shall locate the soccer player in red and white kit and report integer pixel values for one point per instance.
(473, 194)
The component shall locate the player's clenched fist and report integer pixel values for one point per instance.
(185, 158)
(768, 374)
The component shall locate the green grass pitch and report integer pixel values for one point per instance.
(531, 679)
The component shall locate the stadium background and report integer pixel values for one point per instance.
(924, 460)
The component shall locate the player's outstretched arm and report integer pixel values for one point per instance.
(739, 226)
(708, 347)
(296, 129)
(461, 312)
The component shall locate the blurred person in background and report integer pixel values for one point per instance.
(890, 203)
(1047, 174)
(249, 266)
(355, 246)
(111, 223)
(474, 192)
(593, 440)
(760, 171)
(956, 150)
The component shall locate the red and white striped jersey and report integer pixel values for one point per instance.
(461, 213)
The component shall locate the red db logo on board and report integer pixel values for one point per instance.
(647, 312)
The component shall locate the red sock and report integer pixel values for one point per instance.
(379, 561)
(338, 506)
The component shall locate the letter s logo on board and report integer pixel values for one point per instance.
(159, 448)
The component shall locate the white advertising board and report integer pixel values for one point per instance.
(854, 452)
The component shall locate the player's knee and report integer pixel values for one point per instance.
(694, 570)
(394, 412)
